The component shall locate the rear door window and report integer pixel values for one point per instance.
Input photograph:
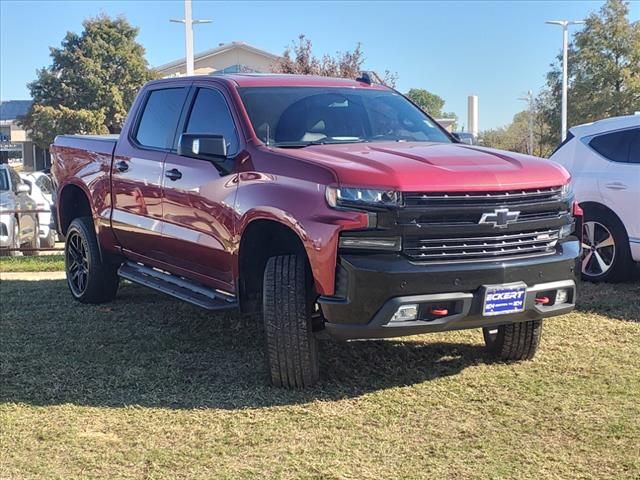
(159, 119)
(634, 148)
(614, 146)
(44, 183)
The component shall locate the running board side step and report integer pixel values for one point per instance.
(178, 287)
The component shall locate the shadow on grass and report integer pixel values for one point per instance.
(615, 300)
(146, 349)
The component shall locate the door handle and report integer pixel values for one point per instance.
(122, 166)
(616, 186)
(173, 174)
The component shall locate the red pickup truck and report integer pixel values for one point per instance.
(330, 207)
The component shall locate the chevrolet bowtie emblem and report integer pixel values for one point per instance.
(500, 217)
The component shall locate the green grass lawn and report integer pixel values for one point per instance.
(44, 263)
(146, 387)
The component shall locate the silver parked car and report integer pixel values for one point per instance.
(42, 192)
(19, 227)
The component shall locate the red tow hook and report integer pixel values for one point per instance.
(542, 300)
(439, 312)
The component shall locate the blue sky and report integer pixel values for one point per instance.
(495, 49)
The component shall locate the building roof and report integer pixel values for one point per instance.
(12, 109)
(216, 51)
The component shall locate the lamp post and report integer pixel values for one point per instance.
(565, 46)
(529, 100)
(189, 22)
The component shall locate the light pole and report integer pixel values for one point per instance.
(189, 22)
(529, 100)
(565, 46)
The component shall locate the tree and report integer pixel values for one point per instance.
(515, 136)
(298, 58)
(91, 83)
(430, 103)
(604, 70)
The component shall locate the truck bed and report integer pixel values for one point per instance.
(103, 144)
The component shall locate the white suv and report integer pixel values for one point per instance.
(604, 160)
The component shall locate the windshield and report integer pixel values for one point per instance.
(301, 116)
(4, 179)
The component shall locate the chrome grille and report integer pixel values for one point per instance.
(475, 248)
(457, 199)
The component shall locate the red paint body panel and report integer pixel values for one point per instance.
(193, 227)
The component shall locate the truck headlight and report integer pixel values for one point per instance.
(361, 197)
(567, 190)
(393, 244)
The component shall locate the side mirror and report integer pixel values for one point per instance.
(203, 146)
(24, 188)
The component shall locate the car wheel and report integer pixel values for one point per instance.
(292, 351)
(606, 255)
(514, 341)
(33, 246)
(15, 240)
(50, 240)
(90, 279)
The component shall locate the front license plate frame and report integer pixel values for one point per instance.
(504, 299)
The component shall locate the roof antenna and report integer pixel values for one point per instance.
(364, 78)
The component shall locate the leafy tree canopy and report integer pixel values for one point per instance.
(299, 59)
(429, 102)
(91, 83)
(604, 70)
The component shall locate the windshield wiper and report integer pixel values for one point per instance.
(324, 141)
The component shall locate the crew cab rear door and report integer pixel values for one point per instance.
(199, 195)
(138, 166)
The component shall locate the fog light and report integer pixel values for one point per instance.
(405, 313)
(562, 296)
(566, 230)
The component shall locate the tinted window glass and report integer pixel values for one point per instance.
(160, 118)
(566, 140)
(614, 146)
(4, 179)
(15, 179)
(299, 116)
(210, 114)
(45, 185)
(634, 148)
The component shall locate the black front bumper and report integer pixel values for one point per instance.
(370, 288)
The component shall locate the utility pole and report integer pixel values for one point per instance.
(565, 46)
(529, 100)
(189, 22)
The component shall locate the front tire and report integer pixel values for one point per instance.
(606, 254)
(50, 240)
(90, 279)
(34, 245)
(292, 350)
(514, 341)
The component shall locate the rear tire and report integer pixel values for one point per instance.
(90, 279)
(14, 252)
(292, 350)
(606, 254)
(50, 240)
(515, 341)
(34, 244)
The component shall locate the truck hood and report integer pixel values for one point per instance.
(437, 167)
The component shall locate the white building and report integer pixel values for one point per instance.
(231, 57)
